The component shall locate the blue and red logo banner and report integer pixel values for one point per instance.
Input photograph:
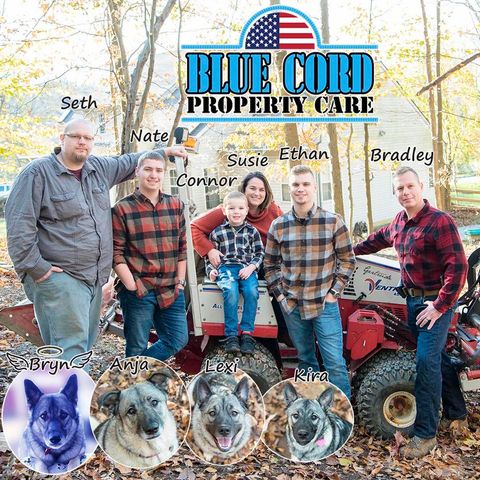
(318, 82)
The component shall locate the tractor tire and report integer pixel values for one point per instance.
(261, 366)
(385, 398)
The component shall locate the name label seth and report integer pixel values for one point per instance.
(411, 154)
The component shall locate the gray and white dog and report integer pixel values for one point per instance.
(313, 430)
(142, 431)
(221, 425)
(54, 440)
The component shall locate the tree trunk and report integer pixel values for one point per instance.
(134, 89)
(444, 197)
(350, 184)
(431, 104)
(366, 151)
(332, 130)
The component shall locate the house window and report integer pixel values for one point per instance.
(173, 182)
(285, 192)
(326, 191)
(212, 197)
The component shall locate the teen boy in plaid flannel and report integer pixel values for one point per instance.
(242, 249)
(308, 261)
(149, 256)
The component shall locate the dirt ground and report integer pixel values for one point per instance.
(456, 456)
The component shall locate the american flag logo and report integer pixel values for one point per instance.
(280, 31)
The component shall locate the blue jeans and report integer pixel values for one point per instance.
(67, 311)
(232, 285)
(433, 364)
(327, 327)
(140, 314)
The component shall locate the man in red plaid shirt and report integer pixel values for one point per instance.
(433, 271)
(149, 256)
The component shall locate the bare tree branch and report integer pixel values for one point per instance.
(442, 77)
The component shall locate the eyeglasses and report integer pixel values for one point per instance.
(77, 138)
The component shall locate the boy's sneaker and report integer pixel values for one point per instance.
(230, 344)
(247, 344)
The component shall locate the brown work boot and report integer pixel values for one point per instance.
(418, 447)
(454, 426)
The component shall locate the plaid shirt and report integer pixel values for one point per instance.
(151, 240)
(305, 258)
(240, 246)
(429, 250)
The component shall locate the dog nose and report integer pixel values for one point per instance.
(152, 430)
(224, 430)
(54, 440)
(302, 434)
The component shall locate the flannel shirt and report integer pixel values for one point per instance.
(429, 250)
(151, 240)
(306, 257)
(240, 246)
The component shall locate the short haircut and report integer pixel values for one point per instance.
(403, 170)
(232, 196)
(152, 155)
(301, 169)
(268, 190)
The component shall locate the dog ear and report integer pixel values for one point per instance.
(110, 400)
(326, 398)
(160, 379)
(32, 392)
(290, 393)
(241, 390)
(71, 388)
(201, 392)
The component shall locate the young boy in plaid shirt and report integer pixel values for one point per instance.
(242, 249)
(150, 259)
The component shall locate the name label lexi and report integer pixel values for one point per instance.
(221, 367)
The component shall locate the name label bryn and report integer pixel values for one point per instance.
(221, 367)
(411, 154)
(83, 103)
(133, 365)
(309, 375)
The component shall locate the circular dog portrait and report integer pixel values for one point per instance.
(140, 412)
(45, 418)
(307, 421)
(227, 417)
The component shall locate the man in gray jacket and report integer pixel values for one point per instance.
(59, 234)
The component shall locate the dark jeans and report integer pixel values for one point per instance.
(140, 314)
(436, 377)
(327, 328)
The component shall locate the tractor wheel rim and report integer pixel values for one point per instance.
(399, 409)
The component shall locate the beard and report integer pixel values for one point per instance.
(79, 158)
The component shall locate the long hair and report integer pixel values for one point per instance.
(268, 190)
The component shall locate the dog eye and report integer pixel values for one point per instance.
(295, 415)
(43, 416)
(131, 411)
(234, 413)
(63, 415)
(314, 417)
(211, 413)
(154, 403)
